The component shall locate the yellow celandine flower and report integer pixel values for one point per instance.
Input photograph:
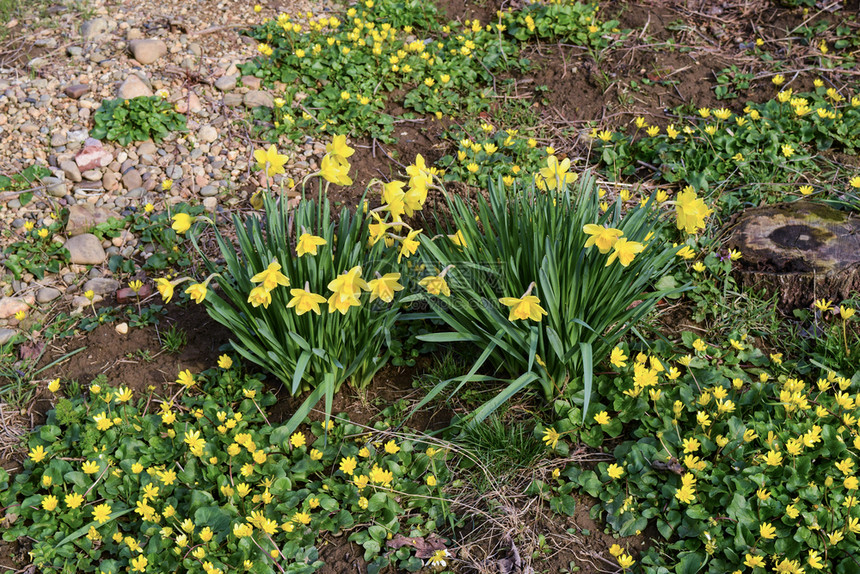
(814, 560)
(602, 418)
(185, 378)
(54, 385)
(846, 312)
(304, 301)
(614, 471)
(773, 458)
(617, 358)
(787, 150)
(391, 447)
(653, 131)
(835, 537)
(626, 561)
(705, 112)
(297, 439)
(603, 237)
(855, 182)
(385, 287)
(308, 243)
(691, 211)
(380, 476)
(49, 503)
(767, 531)
(139, 564)
(101, 513)
(551, 437)
(625, 251)
(823, 305)
(225, 362)
(181, 222)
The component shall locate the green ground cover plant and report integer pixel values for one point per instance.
(339, 71)
(136, 120)
(201, 481)
(768, 153)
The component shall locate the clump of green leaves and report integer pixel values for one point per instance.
(26, 179)
(573, 22)
(533, 243)
(737, 460)
(266, 282)
(36, 253)
(114, 484)
(136, 120)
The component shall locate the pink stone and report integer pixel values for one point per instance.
(93, 156)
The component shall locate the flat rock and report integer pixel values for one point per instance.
(93, 156)
(85, 249)
(47, 294)
(207, 134)
(147, 51)
(71, 170)
(83, 217)
(11, 305)
(58, 139)
(133, 87)
(101, 285)
(55, 186)
(257, 99)
(92, 29)
(132, 179)
(225, 83)
(75, 91)
(252, 82)
(234, 100)
(6, 335)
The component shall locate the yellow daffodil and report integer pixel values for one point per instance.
(304, 301)
(271, 277)
(603, 237)
(385, 287)
(308, 243)
(691, 211)
(625, 251)
(526, 307)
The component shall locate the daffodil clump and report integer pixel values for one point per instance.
(203, 483)
(742, 463)
(767, 153)
(542, 281)
(310, 297)
(339, 70)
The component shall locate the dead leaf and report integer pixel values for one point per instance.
(31, 350)
(424, 547)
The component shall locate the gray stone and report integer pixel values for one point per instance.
(233, 100)
(85, 249)
(58, 139)
(147, 51)
(146, 148)
(92, 29)
(210, 203)
(195, 49)
(226, 83)
(78, 135)
(257, 99)
(207, 134)
(92, 175)
(75, 52)
(69, 278)
(110, 180)
(132, 179)
(56, 187)
(71, 170)
(101, 285)
(209, 191)
(6, 335)
(83, 217)
(47, 294)
(133, 87)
